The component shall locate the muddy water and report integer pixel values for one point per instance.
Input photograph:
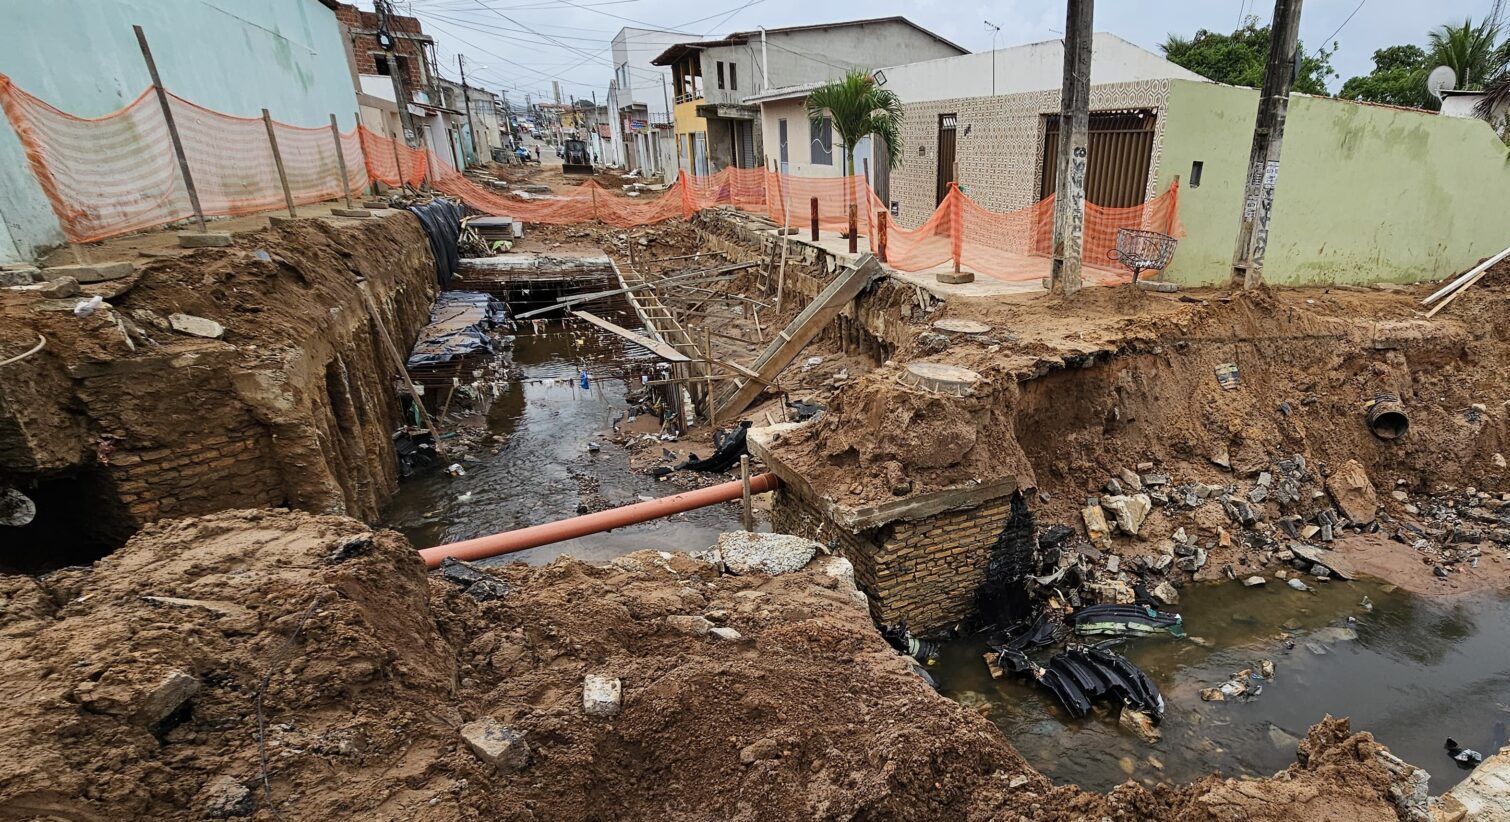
(536, 475)
(1412, 671)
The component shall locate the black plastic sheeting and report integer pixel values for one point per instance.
(729, 447)
(1002, 599)
(442, 223)
(459, 325)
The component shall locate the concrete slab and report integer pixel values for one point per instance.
(374, 204)
(955, 277)
(350, 212)
(208, 239)
(89, 272)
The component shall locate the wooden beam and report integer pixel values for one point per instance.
(655, 347)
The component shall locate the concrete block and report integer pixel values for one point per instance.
(601, 695)
(90, 272)
(744, 552)
(374, 204)
(20, 275)
(207, 239)
(196, 326)
(351, 212)
(59, 288)
(496, 744)
(955, 277)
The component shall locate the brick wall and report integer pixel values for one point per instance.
(361, 27)
(999, 159)
(926, 572)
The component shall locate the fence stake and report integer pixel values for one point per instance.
(335, 132)
(746, 516)
(814, 204)
(854, 230)
(956, 224)
(881, 235)
(398, 164)
(272, 140)
(178, 146)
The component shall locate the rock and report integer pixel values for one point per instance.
(59, 289)
(1334, 562)
(1254, 581)
(1113, 486)
(1354, 494)
(196, 326)
(226, 798)
(1131, 480)
(1258, 494)
(203, 239)
(1266, 668)
(1096, 528)
(896, 478)
(694, 625)
(496, 744)
(726, 634)
(1165, 594)
(479, 585)
(165, 700)
(1499, 460)
(601, 695)
(1222, 459)
(1113, 563)
(746, 552)
(1140, 725)
(1309, 531)
(1336, 633)
(1127, 765)
(1128, 511)
(1154, 480)
(1297, 585)
(1192, 563)
(1018, 781)
(759, 750)
(1180, 536)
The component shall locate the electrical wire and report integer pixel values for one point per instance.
(1349, 19)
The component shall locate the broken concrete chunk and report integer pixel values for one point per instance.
(59, 289)
(726, 634)
(687, 624)
(1297, 585)
(1096, 528)
(1131, 480)
(601, 695)
(226, 798)
(1330, 560)
(1165, 594)
(89, 272)
(746, 552)
(1128, 511)
(1354, 494)
(164, 700)
(196, 326)
(203, 239)
(19, 276)
(496, 744)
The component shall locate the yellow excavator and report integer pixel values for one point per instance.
(578, 160)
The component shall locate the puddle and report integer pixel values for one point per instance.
(1417, 672)
(547, 420)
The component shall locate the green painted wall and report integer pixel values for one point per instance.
(1366, 193)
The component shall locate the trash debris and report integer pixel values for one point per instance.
(729, 448)
(1124, 620)
(1467, 758)
(87, 307)
(900, 638)
(1227, 375)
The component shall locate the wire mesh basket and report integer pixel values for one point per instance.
(1143, 251)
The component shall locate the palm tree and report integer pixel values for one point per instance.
(1472, 52)
(859, 108)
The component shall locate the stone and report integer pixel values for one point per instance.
(1154, 480)
(1113, 486)
(601, 695)
(1140, 725)
(1113, 563)
(746, 552)
(1222, 459)
(166, 699)
(761, 749)
(496, 744)
(1192, 563)
(351, 212)
(940, 378)
(59, 289)
(1131, 480)
(1129, 511)
(1309, 531)
(203, 239)
(1018, 781)
(1258, 494)
(1254, 581)
(1282, 739)
(1165, 594)
(1354, 494)
(1180, 536)
(726, 634)
(1332, 561)
(694, 625)
(1096, 528)
(374, 204)
(89, 272)
(1499, 460)
(19, 276)
(955, 277)
(226, 798)
(1297, 585)
(196, 326)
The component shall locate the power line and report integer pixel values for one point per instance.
(1349, 19)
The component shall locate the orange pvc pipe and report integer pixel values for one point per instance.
(523, 539)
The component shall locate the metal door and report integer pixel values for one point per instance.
(1121, 152)
(947, 129)
(746, 145)
(781, 135)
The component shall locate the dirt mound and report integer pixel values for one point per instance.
(137, 689)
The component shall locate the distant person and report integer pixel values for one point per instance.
(537, 152)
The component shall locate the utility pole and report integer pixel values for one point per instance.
(386, 42)
(1074, 128)
(466, 98)
(676, 139)
(1268, 132)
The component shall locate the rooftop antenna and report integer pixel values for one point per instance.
(995, 30)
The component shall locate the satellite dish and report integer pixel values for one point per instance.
(1441, 78)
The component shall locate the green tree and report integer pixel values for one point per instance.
(1239, 58)
(1398, 78)
(1472, 52)
(859, 108)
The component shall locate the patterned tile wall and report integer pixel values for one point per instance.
(999, 159)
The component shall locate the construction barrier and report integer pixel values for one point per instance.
(118, 173)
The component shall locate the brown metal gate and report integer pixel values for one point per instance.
(1121, 151)
(947, 124)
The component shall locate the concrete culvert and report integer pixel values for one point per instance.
(1387, 417)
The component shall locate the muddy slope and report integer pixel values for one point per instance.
(133, 691)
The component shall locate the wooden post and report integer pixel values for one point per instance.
(1263, 158)
(178, 145)
(1074, 148)
(956, 224)
(854, 230)
(814, 204)
(335, 133)
(881, 235)
(398, 164)
(746, 515)
(708, 389)
(272, 139)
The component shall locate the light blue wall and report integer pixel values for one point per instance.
(234, 56)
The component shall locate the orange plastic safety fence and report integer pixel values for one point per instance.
(117, 173)
(390, 162)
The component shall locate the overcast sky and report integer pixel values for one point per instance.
(524, 44)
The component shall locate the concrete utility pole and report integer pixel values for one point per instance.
(386, 42)
(466, 98)
(1268, 132)
(1073, 158)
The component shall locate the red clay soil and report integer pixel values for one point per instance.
(136, 689)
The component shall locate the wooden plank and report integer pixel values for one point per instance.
(803, 328)
(655, 347)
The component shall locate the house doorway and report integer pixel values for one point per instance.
(948, 127)
(1121, 152)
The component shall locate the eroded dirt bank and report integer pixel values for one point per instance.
(136, 689)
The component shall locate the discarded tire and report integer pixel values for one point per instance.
(1387, 417)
